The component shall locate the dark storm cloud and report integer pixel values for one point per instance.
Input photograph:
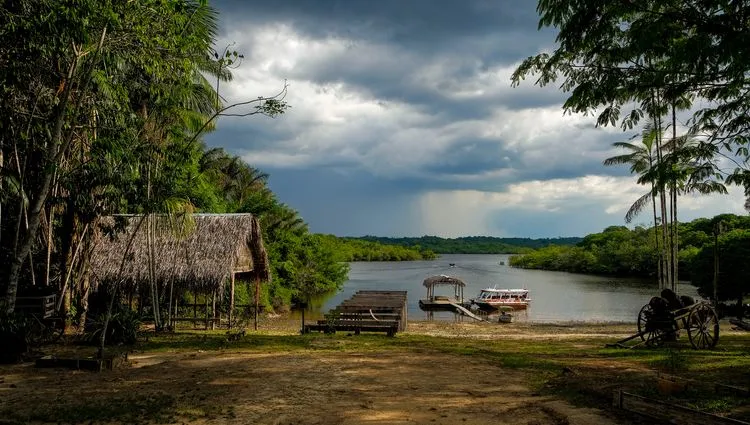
(394, 101)
(472, 37)
(432, 24)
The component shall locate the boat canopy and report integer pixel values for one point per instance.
(506, 291)
(443, 280)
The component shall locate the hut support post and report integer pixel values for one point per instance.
(170, 322)
(176, 314)
(213, 310)
(257, 301)
(207, 316)
(231, 301)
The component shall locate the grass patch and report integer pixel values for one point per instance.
(580, 370)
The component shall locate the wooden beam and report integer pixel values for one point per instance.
(668, 413)
(231, 301)
(257, 301)
(213, 310)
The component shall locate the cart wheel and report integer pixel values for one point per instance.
(655, 337)
(643, 317)
(703, 327)
(56, 329)
(36, 333)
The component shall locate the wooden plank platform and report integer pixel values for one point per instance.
(366, 311)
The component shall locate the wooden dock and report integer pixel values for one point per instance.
(366, 311)
(466, 312)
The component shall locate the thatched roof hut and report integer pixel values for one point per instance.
(197, 252)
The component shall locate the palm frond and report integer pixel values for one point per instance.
(638, 206)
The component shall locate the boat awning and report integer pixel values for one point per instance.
(506, 291)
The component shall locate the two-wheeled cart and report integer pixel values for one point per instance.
(658, 323)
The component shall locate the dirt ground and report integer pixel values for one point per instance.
(306, 386)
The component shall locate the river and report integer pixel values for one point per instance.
(556, 296)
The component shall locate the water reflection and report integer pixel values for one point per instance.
(556, 296)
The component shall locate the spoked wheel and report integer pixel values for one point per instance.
(644, 316)
(703, 327)
(56, 329)
(36, 331)
(655, 337)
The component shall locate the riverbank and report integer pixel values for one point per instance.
(435, 372)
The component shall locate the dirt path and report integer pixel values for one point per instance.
(299, 388)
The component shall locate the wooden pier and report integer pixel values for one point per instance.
(366, 311)
(441, 302)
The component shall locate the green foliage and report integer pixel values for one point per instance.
(734, 267)
(470, 244)
(103, 106)
(303, 265)
(15, 332)
(624, 60)
(620, 251)
(353, 249)
(615, 251)
(122, 328)
(672, 361)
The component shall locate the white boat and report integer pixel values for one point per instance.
(492, 298)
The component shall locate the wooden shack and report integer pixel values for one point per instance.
(202, 253)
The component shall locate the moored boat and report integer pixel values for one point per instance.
(492, 298)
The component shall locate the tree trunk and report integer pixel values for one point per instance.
(656, 230)
(717, 232)
(85, 290)
(675, 223)
(151, 270)
(69, 272)
(666, 267)
(2, 163)
(55, 148)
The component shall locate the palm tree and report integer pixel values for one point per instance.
(642, 159)
(685, 167)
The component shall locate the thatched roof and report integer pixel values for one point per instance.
(443, 280)
(198, 252)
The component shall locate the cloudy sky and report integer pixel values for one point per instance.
(404, 122)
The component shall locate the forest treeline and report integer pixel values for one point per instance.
(471, 244)
(620, 251)
(355, 249)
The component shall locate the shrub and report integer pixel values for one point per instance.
(14, 337)
(122, 328)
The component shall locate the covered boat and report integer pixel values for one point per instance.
(492, 298)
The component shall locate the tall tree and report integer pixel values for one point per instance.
(104, 103)
(615, 55)
(643, 158)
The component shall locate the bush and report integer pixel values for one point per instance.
(122, 328)
(14, 337)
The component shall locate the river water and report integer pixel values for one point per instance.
(556, 296)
